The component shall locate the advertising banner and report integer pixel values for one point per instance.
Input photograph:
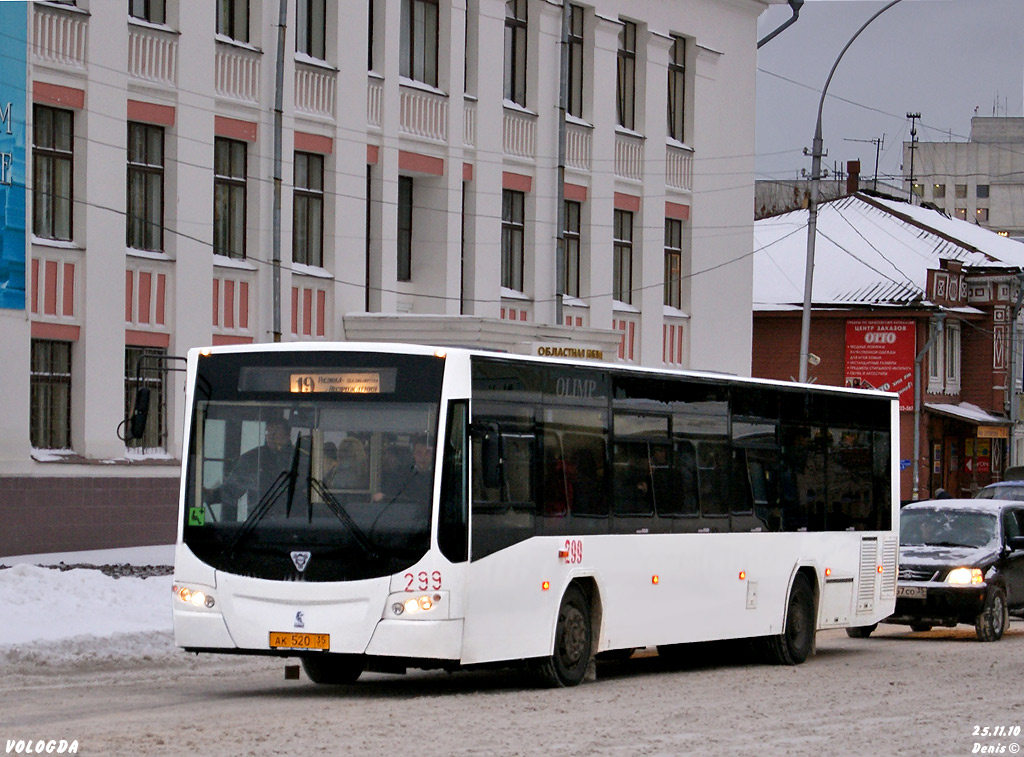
(14, 22)
(880, 355)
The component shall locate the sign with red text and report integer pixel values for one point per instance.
(880, 355)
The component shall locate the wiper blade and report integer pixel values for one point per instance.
(284, 478)
(339, 511)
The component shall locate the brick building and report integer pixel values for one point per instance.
(889, 277)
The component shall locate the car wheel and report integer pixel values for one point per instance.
(920, 627)
(861, 632)
(333, 668)
(991, 621)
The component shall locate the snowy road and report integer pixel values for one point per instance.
(896, 693)
(87, 658)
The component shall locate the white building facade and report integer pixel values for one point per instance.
(419, 201)
(978, 180)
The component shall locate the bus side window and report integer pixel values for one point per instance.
(558, 478)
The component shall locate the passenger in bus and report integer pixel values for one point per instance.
(410, 483)
(351, 470)
(256, 471)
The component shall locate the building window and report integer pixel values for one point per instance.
(308, 214)
(52, 137)
(405, 228)
(515, 51)
(935, 363)
(513, 227)
(229, 176)
(311, 28)
(961, 190)
(622, 272)
(151, 374)
(677, 89)
(575, 103)
(961, 213)
(145, 222)
(571, 283)
(418, 55)
(981, 215)
(982, 191)
(952, 358)
(625, 80)
(917, 189)
(938, 191)
(50, 403)
(673, 262)
(369, 35)
(233, 19)
(153, 11)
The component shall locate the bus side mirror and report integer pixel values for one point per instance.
(140, 414)
(489, 435)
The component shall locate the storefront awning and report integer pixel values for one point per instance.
(969, 413)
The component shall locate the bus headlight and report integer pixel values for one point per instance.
(194, 597)
(432, 605)
(965, 576)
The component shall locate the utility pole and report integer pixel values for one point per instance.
(914, 117)
(877, 142)
(817, 153)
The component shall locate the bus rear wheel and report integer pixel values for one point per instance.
(568, 663)
(333, 668)
(861, 632)
(794, 644)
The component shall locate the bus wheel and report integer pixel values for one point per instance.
(991, 621)
(567, 666)
(861, 632)
(333, 668)
(794, 644)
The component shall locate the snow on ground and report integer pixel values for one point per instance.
(50, 614)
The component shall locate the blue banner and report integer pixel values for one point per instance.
(13, 102)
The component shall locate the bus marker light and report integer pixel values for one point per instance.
(828, 572)
(563, 554)
(880, 569)
(545, 585)
(743, 575)
(654, 580)
(397, 608)
(440, 353)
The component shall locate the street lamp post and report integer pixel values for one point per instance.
(812, 205)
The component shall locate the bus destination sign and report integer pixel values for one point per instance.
(365, 382)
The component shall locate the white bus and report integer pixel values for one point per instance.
(453, 508)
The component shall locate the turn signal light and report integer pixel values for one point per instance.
(743, 575)
(545, 585)
(654, 580)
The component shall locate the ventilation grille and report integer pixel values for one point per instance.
(890, 551)
(868, 574)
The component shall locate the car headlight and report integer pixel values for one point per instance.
(965, 576)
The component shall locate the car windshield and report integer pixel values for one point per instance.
(1011, 491)
(947, 528)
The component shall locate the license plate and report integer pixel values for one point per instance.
(291, 640)
(912, 592)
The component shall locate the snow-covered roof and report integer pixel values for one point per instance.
(868, 251)
(967, 412)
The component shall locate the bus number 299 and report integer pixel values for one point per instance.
(422, 581)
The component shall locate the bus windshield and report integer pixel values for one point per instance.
(328, 458)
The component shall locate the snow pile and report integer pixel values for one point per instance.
(52, 615)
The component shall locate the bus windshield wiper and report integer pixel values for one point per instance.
(285, 480)
(341, 514)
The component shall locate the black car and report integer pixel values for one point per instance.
(961, 561)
